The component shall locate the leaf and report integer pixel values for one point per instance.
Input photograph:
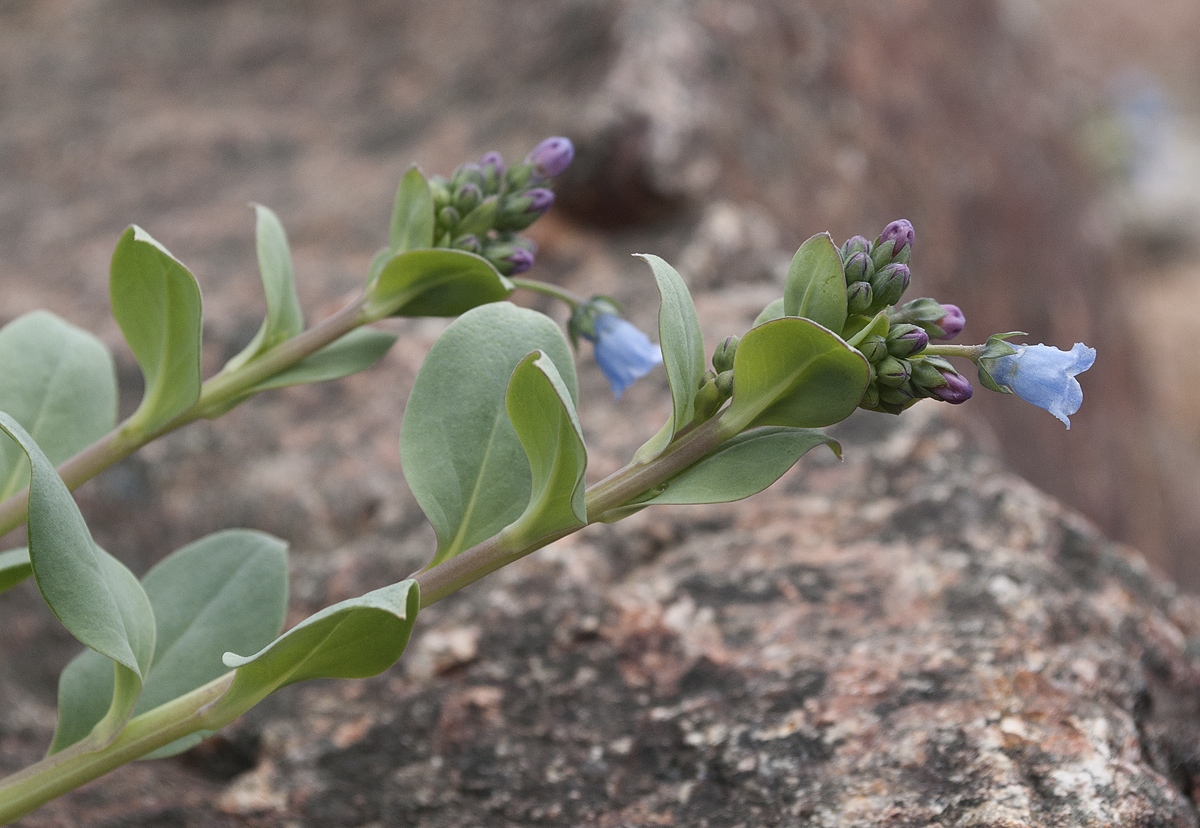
(95, 596)
(816, 284)
(156, 302)
(461, 455)
(59, 382)
(412, 214)
(227, 590)
(354, 352)
(792, 372)
(773, 310)
(356, 638)
(741, 466)
(435, 283)
(682, 346)
(285, 317)
(543, 415)
(14, 568)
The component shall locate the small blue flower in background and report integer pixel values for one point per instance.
(623, 353)
(1045, 376)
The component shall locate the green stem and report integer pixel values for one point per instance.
(971, 352)
(216, 393)
(570, 299)
(69, 768)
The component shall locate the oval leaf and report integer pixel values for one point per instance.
(461, 456)
(435, 283)
(227, 590)
(773, 310)
(543, 414)
(156, 303)
(14, 568)
(354, 352)
(742, 466)
(356, 638)
(792, 372)
(682, 349)
(816, 284)
(60, 384)
(412, 214)
(285, 317)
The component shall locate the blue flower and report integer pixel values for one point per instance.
(1045, 376)
(623, 353)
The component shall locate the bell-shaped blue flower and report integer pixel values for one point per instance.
(1045, 376)
(623, 353)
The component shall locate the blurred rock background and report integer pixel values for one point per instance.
(1045, 151)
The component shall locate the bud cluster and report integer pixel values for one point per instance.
(483, 205)
(892, 337)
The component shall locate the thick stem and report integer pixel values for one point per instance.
(571, 300)
(971, 352)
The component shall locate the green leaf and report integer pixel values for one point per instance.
(792, 372)
(96, 597)
(14, 568)
(226, 590)
(156, 303)
(354, 352)
(285, 317)
(58, 381)
(773, 310)
(682, 348)
(435, 283)
(543, 415)
(461, 455)
(742, 466)
(357, 638)
(412, 214)
(816, 284)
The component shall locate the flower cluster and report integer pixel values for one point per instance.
(483, 205)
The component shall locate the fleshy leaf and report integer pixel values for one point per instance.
(14, 568)
(156, 303)
(228, 589)
(356, 638)
(792, 372)
(435, 283)
(461, 455)
(543, 414)
(354, 352)
(412, 214)
(741, 466)
(682, 350)
(96, 597)
(773, 310)
(59, 383)
(816, 284)
(285, 317)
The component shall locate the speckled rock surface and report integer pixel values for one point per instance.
(912, 637)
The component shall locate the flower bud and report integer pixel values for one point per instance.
(439, 188)
(956, 390)
(853, 245)
(467, 197)
(722, 359)
(858, 297)
(894, 400)
(859, 268)
(870, 397)
(520, 210)
(466, 174)
(952, 323)
(511, 257)
(491, 166)
(892, 372)
(551, 157)
(906, 340)
(708, 399)
(447, 218)
(469, 243)
(724, 383)
(874, 348)
(889, 284)
(894, 241)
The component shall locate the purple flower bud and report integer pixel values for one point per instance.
(493, 160)
(552, 156)
(520, 260)
(855, 244)
(858, 268)
(906, 340)
(952, 323)
(890, 283)
(540, 200)
(900, 233)
(892, 372)
(858, 296)
(956, 390)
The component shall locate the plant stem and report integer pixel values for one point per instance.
(570, 299)
(218, 392)
(970, 352)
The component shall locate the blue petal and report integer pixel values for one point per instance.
(1045, 376)
(623, 353)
